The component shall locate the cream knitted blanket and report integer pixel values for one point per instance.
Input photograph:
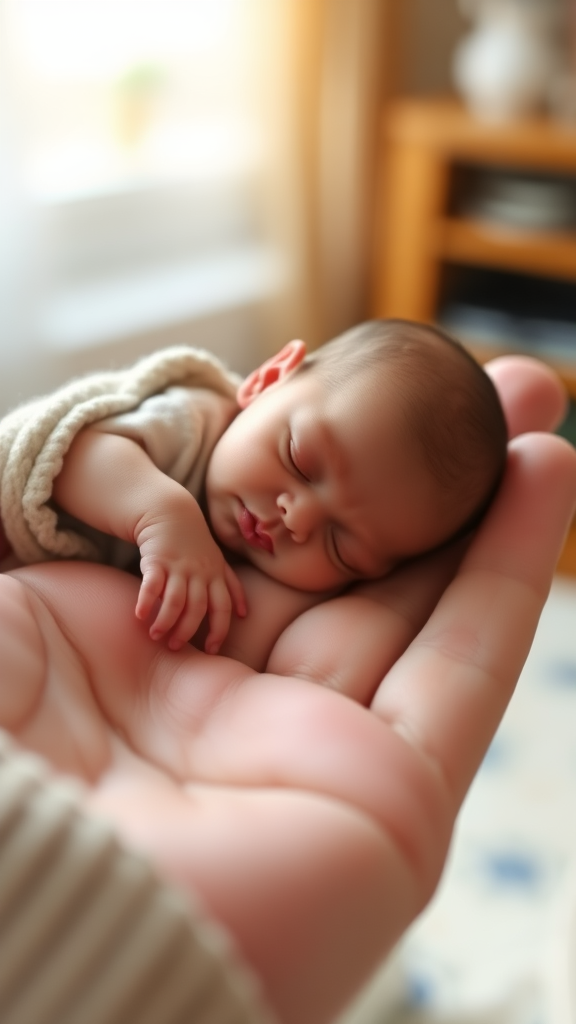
(35, 437)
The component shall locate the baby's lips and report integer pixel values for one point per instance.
(265, 539)
(252, 531)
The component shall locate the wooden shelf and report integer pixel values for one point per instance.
(445, 126)
(545, 253)
(424, 142)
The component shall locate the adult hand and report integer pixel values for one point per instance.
(315, 826)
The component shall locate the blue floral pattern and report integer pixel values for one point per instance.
(489, 948)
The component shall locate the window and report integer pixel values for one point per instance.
(144, 150)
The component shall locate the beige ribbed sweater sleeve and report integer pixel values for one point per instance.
(88, 934)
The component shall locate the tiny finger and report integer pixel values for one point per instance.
(153, 582)
(219, 613)
(190, 619)
(173, 600)
(236, 591)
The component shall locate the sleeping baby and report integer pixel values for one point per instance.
(321, 469)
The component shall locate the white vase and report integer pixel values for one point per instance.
(504, 67)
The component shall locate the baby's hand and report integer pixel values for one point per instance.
(185, 572)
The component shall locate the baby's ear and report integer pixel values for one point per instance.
(273, 370)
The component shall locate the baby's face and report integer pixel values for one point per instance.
(320, 487)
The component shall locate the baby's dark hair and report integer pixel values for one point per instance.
(450, 404)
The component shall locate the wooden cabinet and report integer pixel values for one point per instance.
(422, 236)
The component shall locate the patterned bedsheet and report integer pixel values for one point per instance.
(498, 943)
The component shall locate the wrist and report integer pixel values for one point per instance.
(173, 508)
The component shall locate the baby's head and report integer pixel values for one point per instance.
(379, 446)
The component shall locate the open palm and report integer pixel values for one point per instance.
(315, 823)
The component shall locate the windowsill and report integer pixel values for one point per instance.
(90, 314)
(187, 155)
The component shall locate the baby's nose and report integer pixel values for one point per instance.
(301, 514)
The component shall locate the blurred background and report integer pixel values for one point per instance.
(182, 170)
(195, 170)
(235, 173)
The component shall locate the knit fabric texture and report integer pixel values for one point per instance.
(35, 437)
(88, 933)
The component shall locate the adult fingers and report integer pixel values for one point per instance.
(532, 394)
(447, 693)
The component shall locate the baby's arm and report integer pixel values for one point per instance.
(109, 482)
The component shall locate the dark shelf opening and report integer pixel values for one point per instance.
(517, 311)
